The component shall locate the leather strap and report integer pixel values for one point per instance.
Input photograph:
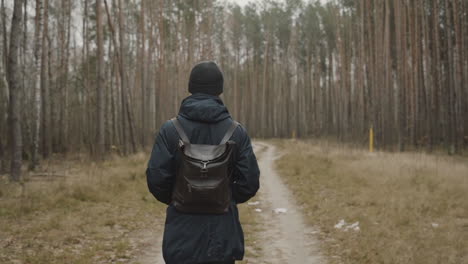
(229, 133)
(180, 130)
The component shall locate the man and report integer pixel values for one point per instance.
(202, 238)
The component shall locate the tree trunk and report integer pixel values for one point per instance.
(5, 35)
(45, 87)
(14, 83)
(450, 72)
(64, 91)
(4, 96)
(37, 83)
(141, 76)
(100, 83)
(3, 117)
(263, 115)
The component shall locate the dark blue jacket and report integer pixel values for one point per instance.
(190, 238)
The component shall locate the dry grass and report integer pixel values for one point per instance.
(411, 207)
(252, 225)
(79, 211)
(84, 213)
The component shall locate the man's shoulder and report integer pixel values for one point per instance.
(240, 126)
(241, 131)
(167, 129)
(166, 125)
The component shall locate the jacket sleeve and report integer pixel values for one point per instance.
(160, 173)
(246, 172)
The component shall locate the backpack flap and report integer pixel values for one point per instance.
(204, 152)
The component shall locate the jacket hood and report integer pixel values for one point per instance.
(204, 108)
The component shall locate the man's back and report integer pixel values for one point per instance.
(200, 238)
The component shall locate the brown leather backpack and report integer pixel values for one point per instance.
(203, 174)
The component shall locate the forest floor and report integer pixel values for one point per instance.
(75, 210)
(318, 203)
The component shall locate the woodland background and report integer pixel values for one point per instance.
(101, 76)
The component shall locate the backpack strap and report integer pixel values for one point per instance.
(180, 130)
(229, 133)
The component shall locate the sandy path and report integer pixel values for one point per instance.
(285, 238)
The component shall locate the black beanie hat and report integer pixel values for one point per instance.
(207, 78)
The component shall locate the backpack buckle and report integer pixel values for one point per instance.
(204, 170)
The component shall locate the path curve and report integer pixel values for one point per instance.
(285, 238)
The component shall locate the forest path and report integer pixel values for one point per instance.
(150, 245)
(285, 237)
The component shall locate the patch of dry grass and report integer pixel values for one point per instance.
(411, 207)
(252, 225)
(76, 211)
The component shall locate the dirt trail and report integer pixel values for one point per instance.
(285, 238)
(150, 245)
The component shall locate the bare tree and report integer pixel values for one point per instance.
(37, 81)
(4, 92)
(14, 82)
(100, 82)
(45, 86)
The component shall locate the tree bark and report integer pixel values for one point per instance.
(5, 35)
(45, 86)
(100, 83)
(14, 83)
(37, 83)
(64, 68)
